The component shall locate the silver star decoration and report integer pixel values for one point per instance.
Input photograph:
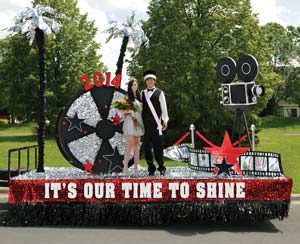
(114, 159)
(75, 123)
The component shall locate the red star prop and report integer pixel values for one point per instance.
(228, 152)
(116, 119)
(88, 167)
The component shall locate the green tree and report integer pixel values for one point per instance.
(70, 54)
(19, 77)
(284, 44)
(186, 39)
(290, 90)
(279, 45)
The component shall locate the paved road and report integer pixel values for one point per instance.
(268, 232)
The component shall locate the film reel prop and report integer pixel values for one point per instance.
(89, 131)
(226, 70)
(247, 68)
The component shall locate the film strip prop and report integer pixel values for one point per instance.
(178, 153)
(201, 160)
(253, 163)
(262, 164)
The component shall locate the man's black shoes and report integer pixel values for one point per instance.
(162, 173)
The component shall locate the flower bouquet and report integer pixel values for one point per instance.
(127, 108)
(124, 105)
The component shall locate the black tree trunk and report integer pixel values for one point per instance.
(122, 55)
(40, 39)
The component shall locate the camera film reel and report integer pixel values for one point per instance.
(226, 70)
(247, 68)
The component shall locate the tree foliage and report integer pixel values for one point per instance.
(284, 44)
(186, 39)
(69, 54)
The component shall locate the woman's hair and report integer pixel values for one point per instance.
(130, 93)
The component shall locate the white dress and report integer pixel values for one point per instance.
(131, 128)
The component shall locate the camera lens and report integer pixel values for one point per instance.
(258, 90)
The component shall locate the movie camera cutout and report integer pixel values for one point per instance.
(239, 95)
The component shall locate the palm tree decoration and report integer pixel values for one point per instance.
(131, 29)
(34, 22)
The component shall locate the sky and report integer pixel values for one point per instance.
(285, 12)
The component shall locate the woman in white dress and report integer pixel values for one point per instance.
(133, 126)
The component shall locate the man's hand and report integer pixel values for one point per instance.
(165, 126)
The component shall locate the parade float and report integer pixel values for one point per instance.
(225, 182)
(215, 183)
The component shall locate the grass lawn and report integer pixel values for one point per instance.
(281, 135)
(15, 136)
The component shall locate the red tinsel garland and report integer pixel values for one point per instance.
(184, 190)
